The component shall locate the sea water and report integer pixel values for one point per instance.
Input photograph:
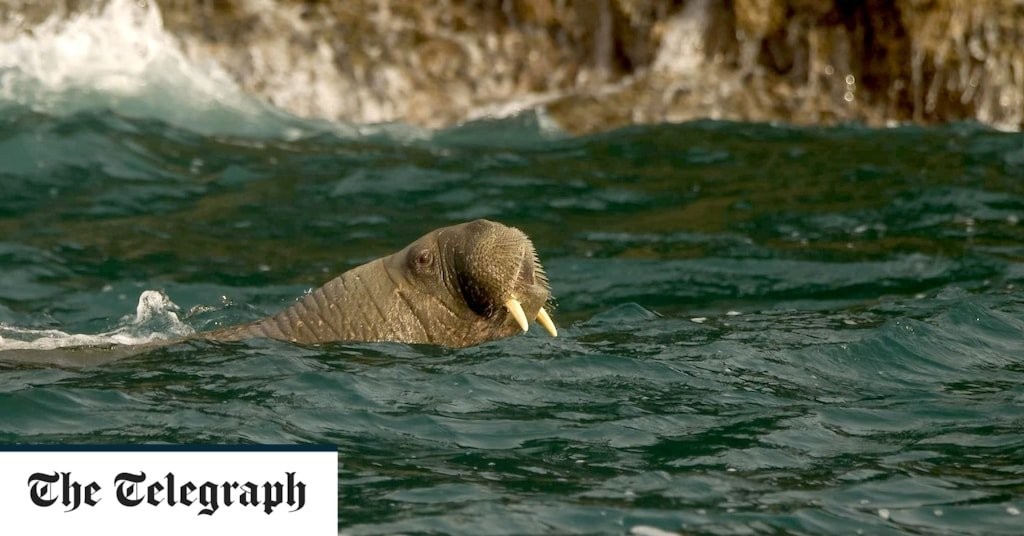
(763, 329)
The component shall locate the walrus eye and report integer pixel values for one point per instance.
(422, 260)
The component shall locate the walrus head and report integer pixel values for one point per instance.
(471, 283)
(455, 286)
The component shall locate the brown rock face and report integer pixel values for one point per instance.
(598, 64)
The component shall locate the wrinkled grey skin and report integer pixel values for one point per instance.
(447, 288)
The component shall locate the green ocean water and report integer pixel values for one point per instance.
(763, 329)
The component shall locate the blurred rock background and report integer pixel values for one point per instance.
(599, 64)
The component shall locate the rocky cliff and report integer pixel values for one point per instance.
(598, 64)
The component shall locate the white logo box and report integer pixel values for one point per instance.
(158, 490)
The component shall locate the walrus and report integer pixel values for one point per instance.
(455, 286)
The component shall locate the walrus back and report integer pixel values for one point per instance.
(287, 325)
(346, 308)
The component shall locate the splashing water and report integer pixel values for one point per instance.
(155, 319)
(120, 58)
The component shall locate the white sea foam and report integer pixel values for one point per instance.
(647, 530)
(155, 319)
(121, 58)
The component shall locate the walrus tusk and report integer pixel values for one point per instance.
(545, 320)
(516, 309)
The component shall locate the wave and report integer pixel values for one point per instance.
(120, 58)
